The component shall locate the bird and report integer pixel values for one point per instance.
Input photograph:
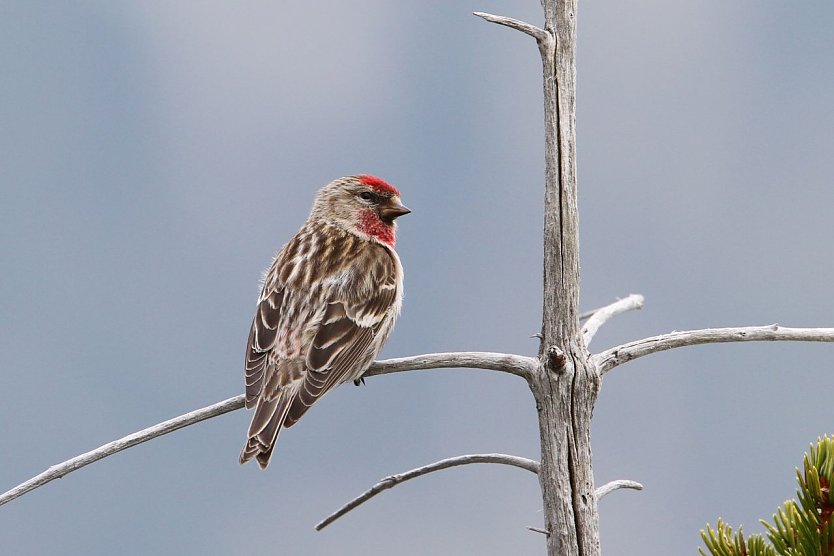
(327, 306)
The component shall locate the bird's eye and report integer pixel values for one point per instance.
(366, 196)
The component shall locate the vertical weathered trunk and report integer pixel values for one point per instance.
(567, 383)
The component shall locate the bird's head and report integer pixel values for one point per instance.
(362, 205)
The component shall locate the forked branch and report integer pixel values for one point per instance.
(613, 357)
(393, 480)
(512, 364)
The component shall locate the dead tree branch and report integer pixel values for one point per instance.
(512, 364)
(603, 315)
(608, 488)
(62, 469)
(585, 315)
(608, 359)
(518, 365)
(393, 480)
(540, 35)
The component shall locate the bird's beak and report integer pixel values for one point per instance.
(393, 209)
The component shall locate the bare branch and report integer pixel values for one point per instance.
(538, 530)
(513, 364)
(608, 488)
(58, 471)
(518, 365)
(603, 315)
(393, 480)
(613, 357)
(585, 315)
(537, 33)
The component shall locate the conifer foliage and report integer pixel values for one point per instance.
(801, 528)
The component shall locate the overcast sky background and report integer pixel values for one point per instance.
(155, 155)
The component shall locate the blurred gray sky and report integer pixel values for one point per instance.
(154, 155)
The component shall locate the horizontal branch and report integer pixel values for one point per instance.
(608, 488)
(604, 314)
(393, 480)
(513, 364)
(518, 365)
(537, 33)
(613, 357)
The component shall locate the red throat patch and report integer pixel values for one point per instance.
(370, 223)
(378, 184)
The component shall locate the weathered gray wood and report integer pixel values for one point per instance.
(610, 487)
(615, 356)
(566, 383)
(518, 365)
(116, 446)
(393, 480)
(565, 388)
(604, 314)
(513, 364)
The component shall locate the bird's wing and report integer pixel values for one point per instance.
(261, 341)
(347, 338)
(274, 362)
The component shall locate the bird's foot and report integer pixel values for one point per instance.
(358, 381)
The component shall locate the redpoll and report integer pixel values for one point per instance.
(328, 303)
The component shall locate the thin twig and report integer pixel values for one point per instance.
(393, 480)
(613, 357)
(603, 315)
(538, 530)
(513, 364)
(608, 488)
(537, 33)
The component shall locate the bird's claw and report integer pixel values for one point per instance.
(360, 380)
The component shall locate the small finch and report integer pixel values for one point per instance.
(328, 303)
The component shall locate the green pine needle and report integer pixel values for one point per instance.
(803, 528)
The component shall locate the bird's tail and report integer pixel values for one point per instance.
(263, 431)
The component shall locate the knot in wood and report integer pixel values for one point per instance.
(556, 359)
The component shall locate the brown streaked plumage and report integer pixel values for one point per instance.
(327, 306)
